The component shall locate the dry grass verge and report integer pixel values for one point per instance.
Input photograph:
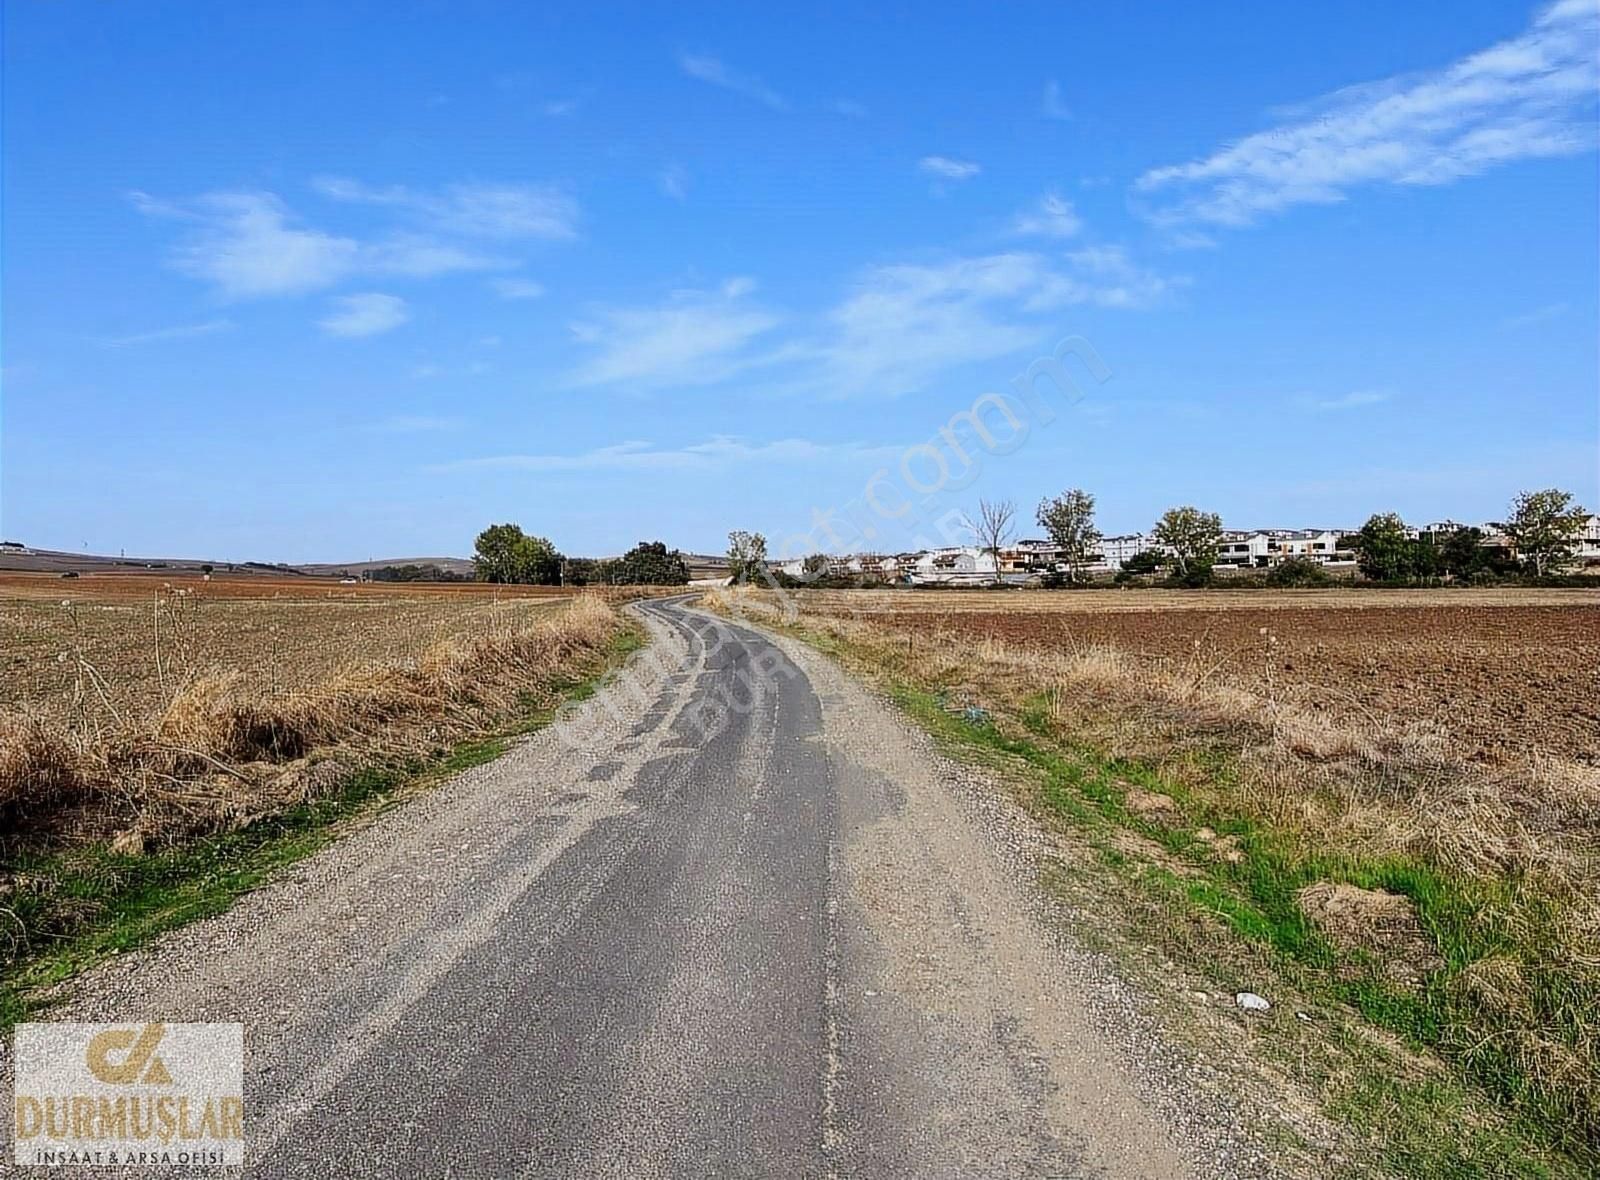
(126, 810)
(225, 749)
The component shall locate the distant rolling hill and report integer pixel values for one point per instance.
(354, 569)
(55, 561)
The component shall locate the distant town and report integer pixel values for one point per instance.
(1023, 562)
(1029, 561)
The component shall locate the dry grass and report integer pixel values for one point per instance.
(1498, 853)
(158, 712)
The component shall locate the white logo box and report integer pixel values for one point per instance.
(140, 1093)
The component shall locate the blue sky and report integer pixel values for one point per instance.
(307, 281)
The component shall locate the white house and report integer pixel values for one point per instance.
(1116, 550)
(1588, 547)
(962, 565)
(1268, 547)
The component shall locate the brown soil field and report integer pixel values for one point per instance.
(1507, 673)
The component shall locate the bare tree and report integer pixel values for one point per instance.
(992, 529)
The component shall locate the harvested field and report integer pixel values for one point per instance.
(166, 708)
(1507, 674)
(140, 636)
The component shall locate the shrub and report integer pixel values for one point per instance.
(1298, 571)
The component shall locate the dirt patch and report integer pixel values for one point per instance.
(1151, 805)
(1375, 922)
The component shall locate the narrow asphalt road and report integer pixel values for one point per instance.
(722, 920)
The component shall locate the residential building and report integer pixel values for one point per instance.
(1588, 548)
(962, 565)
(1261, 548)
(1114, 551)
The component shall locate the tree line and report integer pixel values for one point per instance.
(507, 555)
(1543, 529)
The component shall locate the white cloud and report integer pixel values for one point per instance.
(1104, 276)
(364, 315)
(718, 452)
(674, 180)
(710, 69)
(1531, 96)
(558, 108)
(896, 328)
(249, 245)
(947, 169)
(849, 108)
(418, 257)
(1349, 401)
(901, 326)
(694, 338)
(517, 288)
(1053, 217)
(504, 211)
(1053, 107)
(183, 332)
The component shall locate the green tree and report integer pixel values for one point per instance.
(1462, 555)
(1545, 527)
(1384, 549)
(1297, 571)
(1192, 538)
(582, 571)
(496, 549)
(506, 554)
(1146, 561)
(747, 557)
(648, 564)
(1069, 520)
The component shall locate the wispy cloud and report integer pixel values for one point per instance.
(1539, 315)
(674, 180)
(693, 338)
(504, 211)
(896, 328)
(184, 332)
(249, 245)
(559, 108)
(720, 451)
(711, 69)
(1053, 217)
(511, 288)
(946, 168)
(364, 315)
(1359, 399)
(1053, 106)
(902, 326)
(1531, 96)
(849, 108)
